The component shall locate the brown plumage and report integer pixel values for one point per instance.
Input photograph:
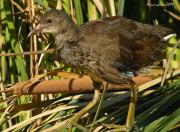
(104, 49)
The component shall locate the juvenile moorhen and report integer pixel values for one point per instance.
(107, 50)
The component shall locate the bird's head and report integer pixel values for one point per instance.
(54, 22)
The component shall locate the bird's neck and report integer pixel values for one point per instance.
(70, 34)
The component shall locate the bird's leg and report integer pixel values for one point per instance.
(74, 119)
(131, 112)
(105, 86)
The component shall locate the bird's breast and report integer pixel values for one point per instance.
(71, 56)
(75, 56)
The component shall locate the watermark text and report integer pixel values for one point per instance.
(158, 4)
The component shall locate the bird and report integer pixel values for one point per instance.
(109, 50)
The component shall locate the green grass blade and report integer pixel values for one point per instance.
(20, 63)
(92, 12)
(121, 7)
(78, 11)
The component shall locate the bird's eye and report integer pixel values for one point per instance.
(49, 20)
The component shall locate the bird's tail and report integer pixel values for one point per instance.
(160, 31)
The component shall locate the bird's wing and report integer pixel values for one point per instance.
(105, 39)
(121, 44)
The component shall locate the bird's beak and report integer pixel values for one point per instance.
(35, 30)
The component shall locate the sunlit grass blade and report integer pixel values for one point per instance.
(92, 12)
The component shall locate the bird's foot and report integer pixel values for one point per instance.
(73, 121)
(129, 125)
(118, 128)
